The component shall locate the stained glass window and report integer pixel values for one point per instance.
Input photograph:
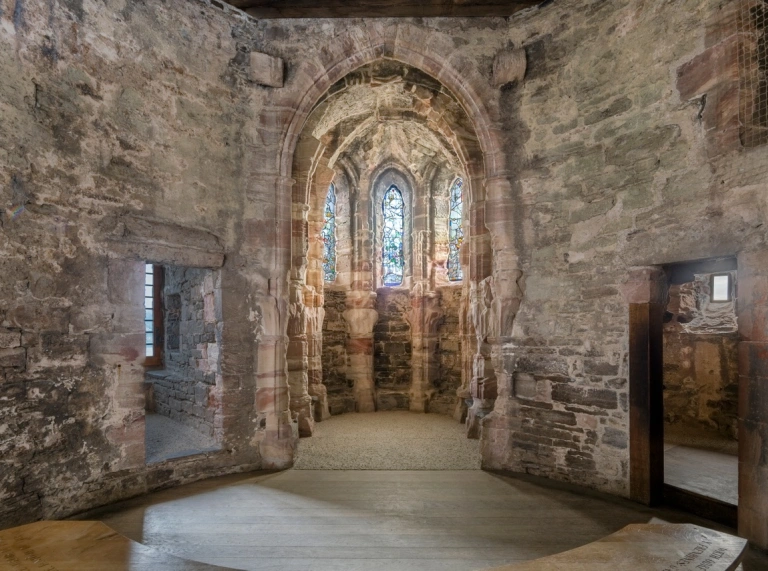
(149, 316)
(392, 259)
(329, 236)
(455, 230)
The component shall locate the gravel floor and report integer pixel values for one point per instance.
(166, 438)
(388, 441)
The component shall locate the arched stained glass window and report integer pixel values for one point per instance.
(392, 259)
(455, 230)
(329, 236)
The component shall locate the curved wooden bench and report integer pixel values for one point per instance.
(83, 546)
(93, 546)
(647, 546)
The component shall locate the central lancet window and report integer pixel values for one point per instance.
(455, 230)
(392, 258)
(329, 236)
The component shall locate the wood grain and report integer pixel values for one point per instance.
(380, 8)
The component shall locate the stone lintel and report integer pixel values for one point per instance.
(645, 284)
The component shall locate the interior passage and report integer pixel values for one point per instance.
(394, 440)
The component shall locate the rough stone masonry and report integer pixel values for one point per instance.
(138, 132)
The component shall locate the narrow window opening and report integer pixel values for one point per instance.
(393, 260)
(455, 230)
(153, 315)
(721, 287)
(329, 236)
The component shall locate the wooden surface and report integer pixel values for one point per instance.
(662, 547)
(702, 506)
(375, 520)
(380, 8)
(82, 546)
(646, 406)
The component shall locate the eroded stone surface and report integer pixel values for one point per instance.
(127, 140)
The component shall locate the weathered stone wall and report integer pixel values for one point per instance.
(622, 162)
(448, 352)
(187, 388)
(122, 140)
(392, 349)
(701, 377)
(340, 396)
(131, 131)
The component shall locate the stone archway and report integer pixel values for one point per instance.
(490, 190)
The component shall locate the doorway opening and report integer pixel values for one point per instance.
(700, 388)
(182, 382)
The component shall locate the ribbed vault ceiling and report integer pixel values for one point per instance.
(389, 111)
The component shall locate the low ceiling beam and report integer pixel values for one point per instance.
(265, 9)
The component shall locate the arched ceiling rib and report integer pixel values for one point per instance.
(386, 110)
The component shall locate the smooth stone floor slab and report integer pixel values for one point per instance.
(83, 546)
(704, 472)
(166, 438)
(391, 440)
(662, 547)
(337, 520)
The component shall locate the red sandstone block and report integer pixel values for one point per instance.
(753, 324)
(269, 399)
(716, 65)
(753, 400)
(753, 359)
(360, 346)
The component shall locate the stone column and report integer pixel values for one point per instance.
(505, 295)
(276, 442)
(361, 317)
(752, 308)
(424, 317)
(298, 361)
(482, 387)
(361, 314)
(316, 389)
(313, 302)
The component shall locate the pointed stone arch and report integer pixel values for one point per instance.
(490, 192)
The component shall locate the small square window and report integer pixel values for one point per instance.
(721, 287)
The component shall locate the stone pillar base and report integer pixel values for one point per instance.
(365, 400)
(480, 409)
(460, 411)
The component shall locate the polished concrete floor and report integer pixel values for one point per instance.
(704, 472)
(340, 520)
